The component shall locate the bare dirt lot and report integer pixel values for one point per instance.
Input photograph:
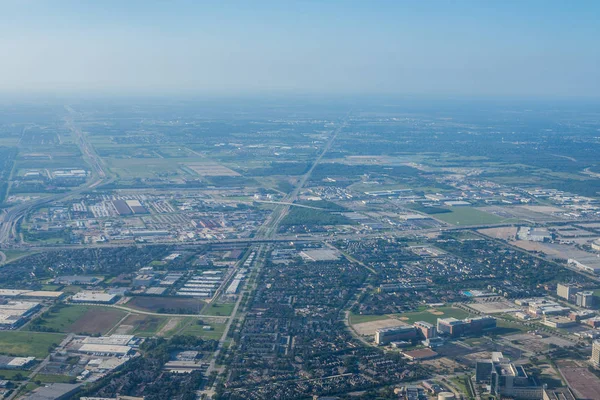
(494, 307)
(506, 233)
(96, 320)
(369, 328)
(585, 384)
(211, 169)
(174, 305)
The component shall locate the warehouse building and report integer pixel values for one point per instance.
(94, 297)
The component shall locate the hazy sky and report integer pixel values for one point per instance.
(483, 47)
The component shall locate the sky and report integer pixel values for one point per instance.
(514, 48)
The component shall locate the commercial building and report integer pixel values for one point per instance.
(112, 340)
(8, 362)
(544, 307)
(595, 360)
(588, 264)
(94, 297)
(585, 299)
(14, 313)
(77, 280)
(419, 354)
(563, 393)
(565, 291)
(104, 349)
(426, 329)
(559, 322)
(143, 280)
(54, 391)
(387, 335)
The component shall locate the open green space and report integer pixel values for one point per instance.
(431, 315)
(33, 344)
(218, 309)
(468, 216)
(196, 329)
(47, 378)
(13, 374)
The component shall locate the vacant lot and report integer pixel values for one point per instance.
(166, 304)
(218, 309)
(24, 344)
(143, 325)
(431, 315)
(97, 320)
(506, 233)
(211, 169)
(358, 319)
(198, 330)
(80, 319)
(369, 328)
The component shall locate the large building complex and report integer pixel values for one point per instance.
(564, 290)
(585, 299)
(15, 313)
(506, 378)
(387, 335)
(456, 327)
(425, 329)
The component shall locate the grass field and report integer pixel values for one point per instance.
(79, 319)
(431, 315)
(357, 318)
(468, 216)
(46, 378)
(25, 344)
(12, 373)
(197, 330)
(218, 309)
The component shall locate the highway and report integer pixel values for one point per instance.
(272, 223)
(8, 225)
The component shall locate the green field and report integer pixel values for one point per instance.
(468, 216)
(12, 373)
(23, 344)
(357, 318)
(222, 309)
(47, 378)
(197, 330)
(431, 316)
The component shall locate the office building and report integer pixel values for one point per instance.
(585, 299)
(387, 335)
(426, 330)
(595, 360)
(483, 371)
(451, 326)
(454, 327)
(564, 290)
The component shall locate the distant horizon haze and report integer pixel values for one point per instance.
(505, 49)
